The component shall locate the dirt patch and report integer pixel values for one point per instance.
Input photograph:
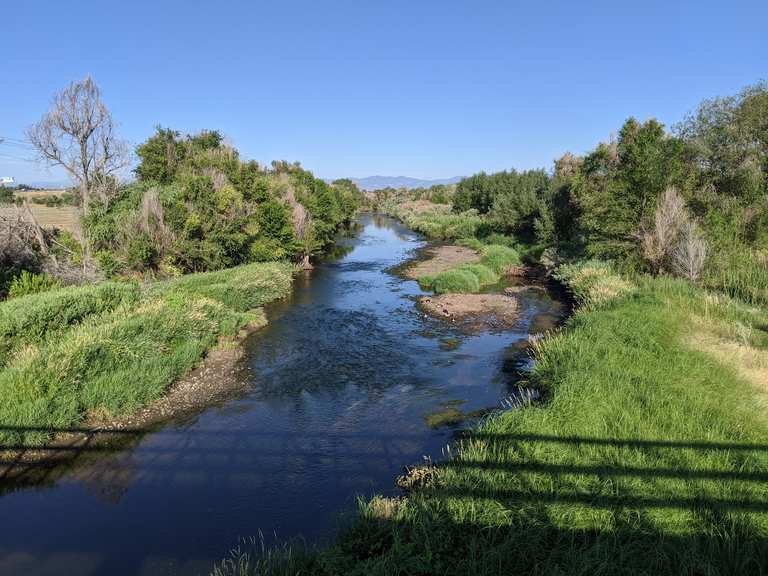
(439, 259)
(474, 311)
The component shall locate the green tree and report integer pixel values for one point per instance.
(160, 156)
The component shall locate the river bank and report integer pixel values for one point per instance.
(103, 357)
(647, 456)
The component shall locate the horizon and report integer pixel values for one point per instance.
(432, 91)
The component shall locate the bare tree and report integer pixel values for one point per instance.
(78, 134)
(690, 254)
(660, 238)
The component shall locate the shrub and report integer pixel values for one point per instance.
(27, 283)
(500, 240)
(109, 263)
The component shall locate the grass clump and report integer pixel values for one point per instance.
(28, 283)
(31, 319)
(740, 273)
(460, 280)
(123, 348)
(593, 283)
(500, 258)
(470, 278)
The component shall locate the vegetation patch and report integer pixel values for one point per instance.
(468, 278)
(113, 348)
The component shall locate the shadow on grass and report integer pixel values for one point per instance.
(536, 517)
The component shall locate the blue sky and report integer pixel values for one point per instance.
(354, 88)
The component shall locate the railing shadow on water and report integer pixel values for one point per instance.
(240, 455)
(246, 453)
(103, 457)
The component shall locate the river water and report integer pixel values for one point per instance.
(333, 402)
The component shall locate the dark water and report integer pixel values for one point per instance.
(338, 387)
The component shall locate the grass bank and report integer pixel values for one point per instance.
(649, 454)
(108, 350)
(467, 278)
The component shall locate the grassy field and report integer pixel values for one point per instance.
(649, 455)
(110, 349)
(61, 217)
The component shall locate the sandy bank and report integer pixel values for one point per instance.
(474, 311)
(439, 259)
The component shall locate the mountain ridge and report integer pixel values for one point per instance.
(378, 182)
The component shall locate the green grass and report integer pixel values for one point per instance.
(439, 223)
(469, 278)
(741, 274)
(113, 348)
(29, 319)
(648, 456)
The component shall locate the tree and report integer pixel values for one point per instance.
(729, 137)
(619, 183)
(78, 134)
(160, 156)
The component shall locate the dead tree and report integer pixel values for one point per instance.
(78, 134)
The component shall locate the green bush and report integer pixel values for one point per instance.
(109, 263)
(142, 253)
(500, 240)
(500, 258)
(28, 283)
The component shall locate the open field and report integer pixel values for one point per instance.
(64, 217)
(29, 194)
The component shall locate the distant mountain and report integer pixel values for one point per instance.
(379, 182)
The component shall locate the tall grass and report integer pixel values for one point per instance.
(741, 274)
(30, 319)
(113, 348)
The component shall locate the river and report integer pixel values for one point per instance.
(332, 402)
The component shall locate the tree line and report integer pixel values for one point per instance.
(650, 199)
(193, 205)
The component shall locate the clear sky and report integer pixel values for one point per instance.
(354, 88)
